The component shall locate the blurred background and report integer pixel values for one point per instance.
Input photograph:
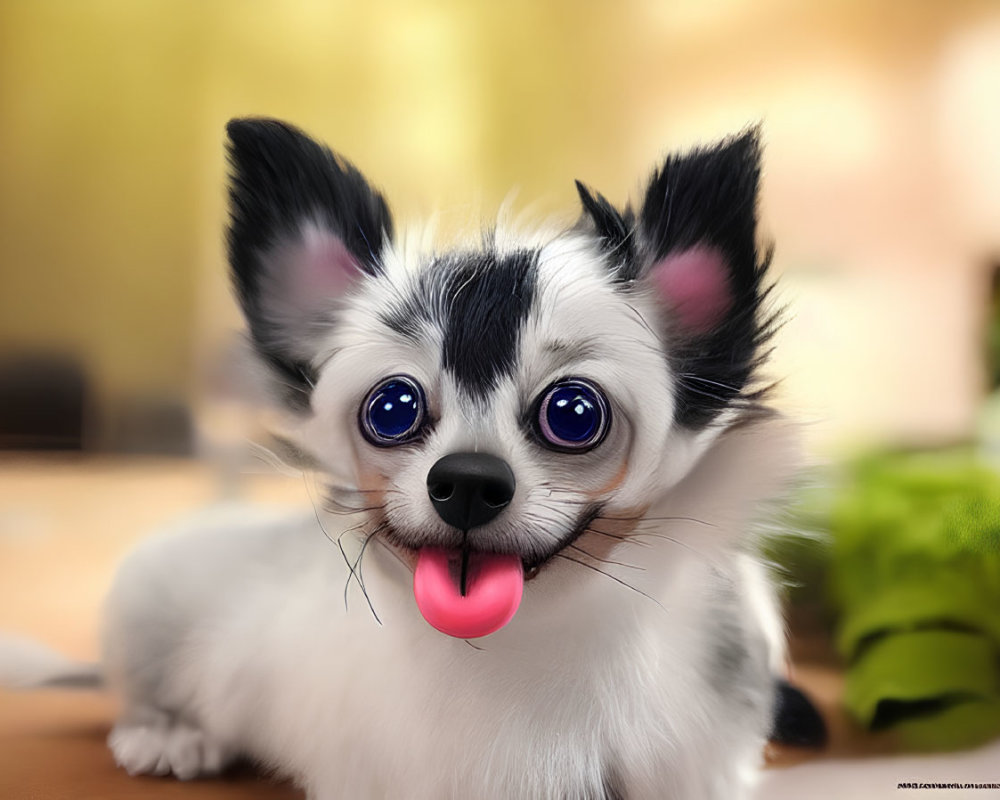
(881, 191)
(882, 123)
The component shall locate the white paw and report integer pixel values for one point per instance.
(162, 747)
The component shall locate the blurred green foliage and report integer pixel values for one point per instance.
(904, 549)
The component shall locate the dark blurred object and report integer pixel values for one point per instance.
(797, 723)
(151, 425)
(993, 329)
(43, 402)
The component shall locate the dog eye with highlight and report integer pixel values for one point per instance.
(573, 416)
(393, 412)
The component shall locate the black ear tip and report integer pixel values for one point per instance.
(752, 133)
(244, 130)
(240, 127)
(585, 196)
(748, 143)
(236, 125)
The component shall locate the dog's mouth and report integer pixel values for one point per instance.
(469, 593)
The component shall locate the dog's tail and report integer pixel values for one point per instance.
(28, 665)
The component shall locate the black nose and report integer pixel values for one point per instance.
(470, 489)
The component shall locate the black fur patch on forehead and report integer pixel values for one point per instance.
(480, 301)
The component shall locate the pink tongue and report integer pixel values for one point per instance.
(492, 592)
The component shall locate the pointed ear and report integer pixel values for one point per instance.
(697, 255)
(305, 227)
(612, 228)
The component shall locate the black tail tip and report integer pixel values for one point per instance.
(796, 722)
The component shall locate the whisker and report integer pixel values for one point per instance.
(643, 518)
(605, 560)
(636, 536)
(678, 542)
(350, 567)
(356, 570)
(631, 540)
(326, 533)
(368, 537)
(619, 537)
(641, 319)
(687, 376)
(352, 490)
(273, 460)
(612, 577)
(353, 569)
(345, 510)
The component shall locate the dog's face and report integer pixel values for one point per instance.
(501, 398)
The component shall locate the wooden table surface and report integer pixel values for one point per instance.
(64, 524)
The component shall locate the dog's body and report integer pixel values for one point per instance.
(233, 637)
(640, 663)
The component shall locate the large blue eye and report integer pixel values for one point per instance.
(393, 412)
(573, 415)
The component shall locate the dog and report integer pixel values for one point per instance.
(545, 455)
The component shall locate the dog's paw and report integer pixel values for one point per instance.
(164, 747)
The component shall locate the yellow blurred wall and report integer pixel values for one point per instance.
(98, 220)
(881, 158)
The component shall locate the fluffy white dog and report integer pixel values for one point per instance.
(543, 455)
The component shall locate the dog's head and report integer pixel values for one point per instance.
(500, 398)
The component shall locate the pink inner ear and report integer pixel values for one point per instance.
(322, 267)
(695, 285)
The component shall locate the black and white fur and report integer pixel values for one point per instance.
(641, 663)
